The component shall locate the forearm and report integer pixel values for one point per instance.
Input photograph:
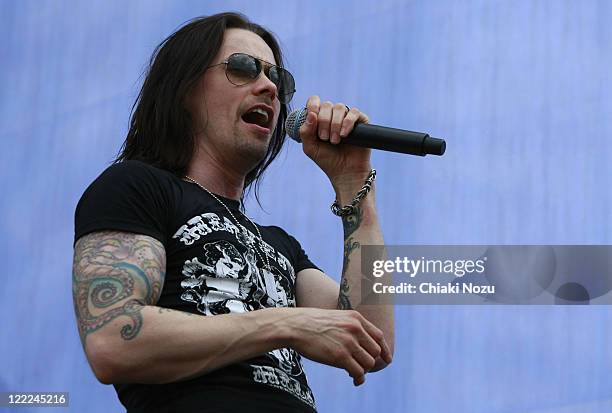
(361, 228)
(117, 279)
(172, 345)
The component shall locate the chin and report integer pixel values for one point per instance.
(253, 152)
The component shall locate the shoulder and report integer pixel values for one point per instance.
(291, 248)
(283, 237)
(136, 171)
(132, 177)
(279, 232)
(129, 196)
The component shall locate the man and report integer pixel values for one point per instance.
(183, 303)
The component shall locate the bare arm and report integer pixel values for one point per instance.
(362, 228)
(316, 289)
(347, 167)
(117, 280)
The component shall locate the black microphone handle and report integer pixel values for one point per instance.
(395, 140)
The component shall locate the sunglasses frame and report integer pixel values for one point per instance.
(264, 67)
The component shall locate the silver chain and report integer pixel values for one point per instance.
(242, 227)
(350, 208)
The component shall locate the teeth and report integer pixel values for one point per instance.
(261, 112)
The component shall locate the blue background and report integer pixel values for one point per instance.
(519, 89)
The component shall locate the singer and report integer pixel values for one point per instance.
(185, 304)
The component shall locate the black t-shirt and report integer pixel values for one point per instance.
(212, 268)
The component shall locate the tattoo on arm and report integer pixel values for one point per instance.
(350, 223)
(115, 274)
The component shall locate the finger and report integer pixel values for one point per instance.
(313, 104)
(354, 369)
(370, 345)
(324, 120)
(377, 335)
(359, 381)
(308, 130)
(365, 360)
(338, 113)
(352, 117)
(385, 352)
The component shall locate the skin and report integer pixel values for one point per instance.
(347, 167)
(117, 277)
(227, 147)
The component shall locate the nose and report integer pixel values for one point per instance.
(263, 85)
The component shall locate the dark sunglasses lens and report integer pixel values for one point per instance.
(242, 68)
(284, 82)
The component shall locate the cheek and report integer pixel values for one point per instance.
(219, 113)
(219, 98)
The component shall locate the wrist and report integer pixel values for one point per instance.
(295, 325)
(345, 196)
(348, 198)
(347, 184)
(282, 322)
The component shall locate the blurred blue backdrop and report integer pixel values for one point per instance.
(520, 90)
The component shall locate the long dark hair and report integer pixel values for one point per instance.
(161, 129)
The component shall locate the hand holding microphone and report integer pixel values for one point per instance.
(376, 137)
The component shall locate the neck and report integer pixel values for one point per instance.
(214, 173)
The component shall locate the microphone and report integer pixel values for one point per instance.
(376, 137)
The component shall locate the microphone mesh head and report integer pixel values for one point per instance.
(293, 123)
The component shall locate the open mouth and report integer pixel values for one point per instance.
(258, 116)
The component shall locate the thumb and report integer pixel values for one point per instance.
(309, 129)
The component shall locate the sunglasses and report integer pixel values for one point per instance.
(241, 68)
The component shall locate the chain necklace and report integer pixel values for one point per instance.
(242, 227)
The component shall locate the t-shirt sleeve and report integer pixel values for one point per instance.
(302, 260)
(129, 196)
(299, 258)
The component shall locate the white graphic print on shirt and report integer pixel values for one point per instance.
(228, 278)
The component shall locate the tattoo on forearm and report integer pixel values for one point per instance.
(344, 303)
(350, 223)
(115, 275)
